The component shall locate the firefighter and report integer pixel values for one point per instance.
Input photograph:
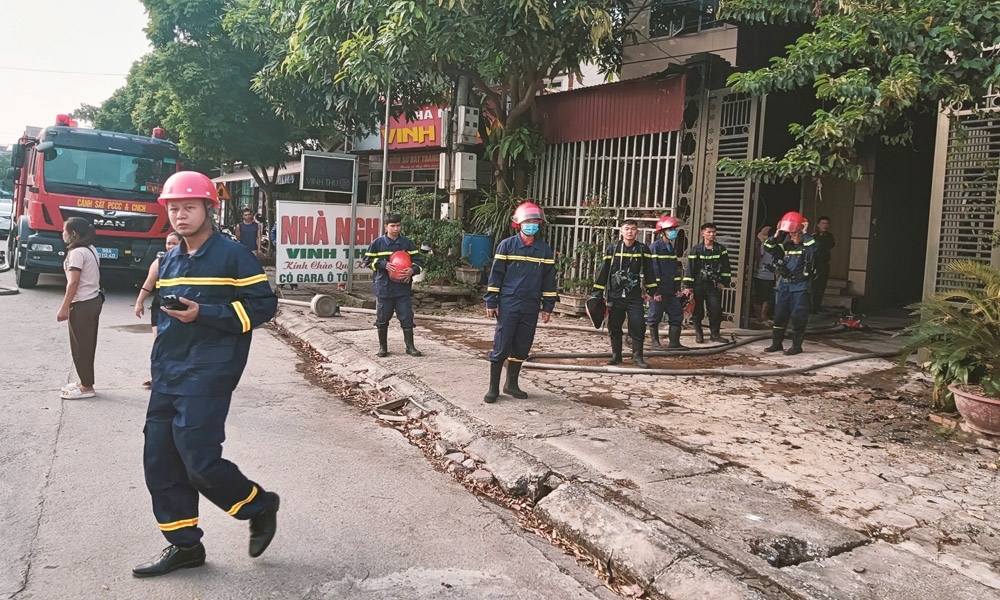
(522, 283)
(794, 255)
(667, 270)
(394, 282)
(625, 263)
(706, 276)
(213, 293)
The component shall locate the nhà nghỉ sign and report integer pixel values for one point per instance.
(314, 241)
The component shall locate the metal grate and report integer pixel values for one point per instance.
(635, 177)
(969, 196)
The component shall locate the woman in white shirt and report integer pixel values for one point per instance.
(81, 305)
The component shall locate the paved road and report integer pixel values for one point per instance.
(363, 515)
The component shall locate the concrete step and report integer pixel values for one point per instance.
(838, 301)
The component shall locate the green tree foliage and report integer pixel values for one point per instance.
(346, 52)
(873, 64)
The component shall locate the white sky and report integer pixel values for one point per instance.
(78, 36)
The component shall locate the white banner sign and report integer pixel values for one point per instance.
(314, 241)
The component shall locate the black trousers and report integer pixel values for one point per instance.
(630, 308)
(818, 284)
(709, 298)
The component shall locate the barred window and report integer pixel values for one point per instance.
(669, 18)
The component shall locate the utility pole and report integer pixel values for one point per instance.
(456, 196)
(385, 151)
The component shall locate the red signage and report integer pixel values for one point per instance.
(414, 160)
(423, 131)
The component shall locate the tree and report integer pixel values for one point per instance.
(874, 64)
(349, 51)
(6, 185)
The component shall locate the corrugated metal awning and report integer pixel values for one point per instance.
(634, 107)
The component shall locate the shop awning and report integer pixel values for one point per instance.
(290, 168)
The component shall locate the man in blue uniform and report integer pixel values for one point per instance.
(213, 292)
(667, 270)
(706, 276)
(794, 255)
(522, 283)
(625, 262)
(393, 284)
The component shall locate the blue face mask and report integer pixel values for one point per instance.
(529, 228)
(671, 234)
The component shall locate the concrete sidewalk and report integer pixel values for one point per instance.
(830, 485)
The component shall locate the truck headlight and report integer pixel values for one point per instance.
(41, 247)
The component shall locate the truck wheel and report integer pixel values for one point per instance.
(24, 279)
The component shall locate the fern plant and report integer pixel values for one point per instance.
(960, 330)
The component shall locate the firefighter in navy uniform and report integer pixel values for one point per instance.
(625, 263)
(394, 283)
(522, 285)
(794, 258)
(706, 276)
(202, 342)
(667, 270)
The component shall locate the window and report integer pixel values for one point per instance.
(669, 18)
(111, 173)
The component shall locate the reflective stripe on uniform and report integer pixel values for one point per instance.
(551, 294)
(236, 507)
(547, 261)
(178, 524)
(212, 281)
(242, 314)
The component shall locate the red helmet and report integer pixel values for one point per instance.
(793, 222)
(666, 223)
(525, 211)
(401, 260)
(185, 185)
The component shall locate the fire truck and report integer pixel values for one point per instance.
(110, 179)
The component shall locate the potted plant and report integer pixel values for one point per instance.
(960, 332)
(466, 273)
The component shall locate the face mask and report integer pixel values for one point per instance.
(529, 228)
(671, 234)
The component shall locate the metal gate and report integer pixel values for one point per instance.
(732, 121)
(965, 193)
(628, 177)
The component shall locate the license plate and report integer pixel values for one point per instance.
(108, 253)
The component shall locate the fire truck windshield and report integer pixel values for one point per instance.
(105, 174)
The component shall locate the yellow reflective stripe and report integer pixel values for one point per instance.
(598, 287)
(550, 294)
(548, 261)
(622, 255)
(706, 257)
(178, 524)
(242, 314)
(607, 257)
(236, 507)
(212, 281)
(512, 359)
(793, 252)
(378, 253)
(651, 285)
(492, 289)
(689, 279)
(413, 251)
(663, 256)
(809, 243)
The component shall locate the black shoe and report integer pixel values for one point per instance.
(496, 369)
(796, 348)
(616, 352)
(408, 340)
(777, 338)
(675, 337)
(699, 334)
(171, 559)
(383, 342)
(510, 387)
(263, 526)
(637, 360)
(654, 335)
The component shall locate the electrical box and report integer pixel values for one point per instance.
(465, 171)
(446, 127)
(443, 171)
(467, 130)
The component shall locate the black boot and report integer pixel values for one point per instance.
(699, 334)
(777, 337)
(496, 368)
(675, 337)
(383, 341)
(616, 351)
(716, 336)
(797, 337)
(510, 387)
(408, 339)
(637, 360)
(654, 335)
(171, 559)
(263, 526)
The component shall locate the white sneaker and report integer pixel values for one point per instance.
(76, 394)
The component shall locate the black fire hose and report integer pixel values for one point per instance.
(722, 372)
(710, 350)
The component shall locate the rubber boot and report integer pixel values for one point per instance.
(797, 337)
(637, 360)
(675, 337)
(510, 386)
(408, 339)
(716, 336)
(496, 368)
(383, 341)
(616, 352)
(699, 334)
(654, 335)
(777, 337)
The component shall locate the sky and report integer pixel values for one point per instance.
(59, 54)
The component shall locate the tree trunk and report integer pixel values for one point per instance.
(266, 185)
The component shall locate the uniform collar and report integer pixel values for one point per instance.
(204, 247)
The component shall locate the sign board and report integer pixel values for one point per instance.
(314, 241)
(328, 172)
(223, 192)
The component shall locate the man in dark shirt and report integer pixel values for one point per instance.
(248, 232)
(824, 244)
(393, 285)
(706, 276)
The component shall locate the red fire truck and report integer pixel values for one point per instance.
(110, 179)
